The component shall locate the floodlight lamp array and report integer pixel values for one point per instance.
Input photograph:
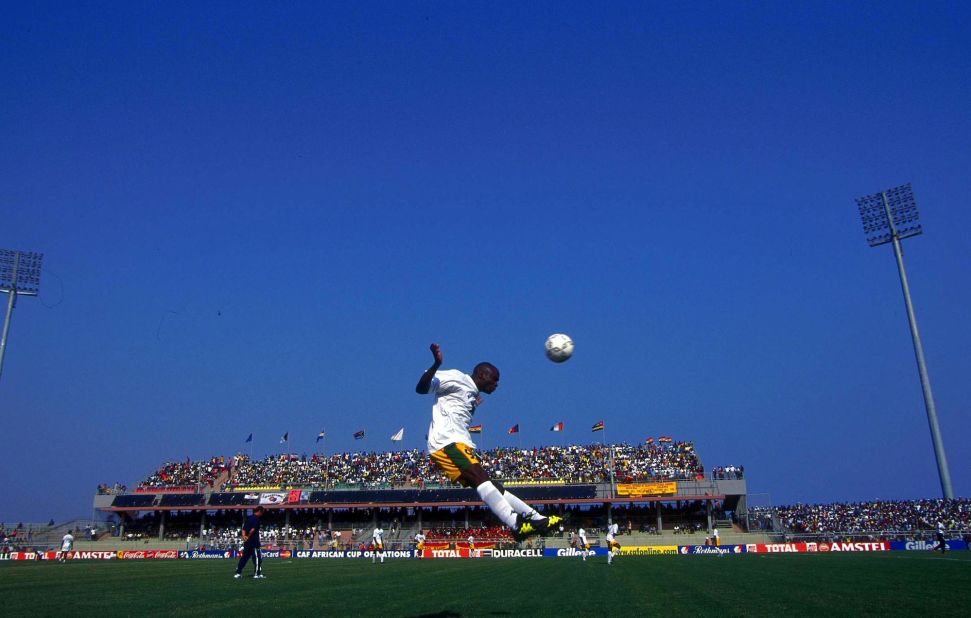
(26, 279)
(903, 211)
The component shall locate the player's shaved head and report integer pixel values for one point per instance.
(486, 377)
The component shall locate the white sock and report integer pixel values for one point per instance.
(521, 507)
(497, 503)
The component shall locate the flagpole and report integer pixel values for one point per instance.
(613, 480)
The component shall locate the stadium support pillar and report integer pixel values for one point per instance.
(708, 509)
(286, 518)
(202, 525)
(466, 516)
(330, 519)
(419, 510)
(657, 506)
(161, 526)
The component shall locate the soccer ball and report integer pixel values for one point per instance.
(559, 347)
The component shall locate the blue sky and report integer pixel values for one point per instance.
(256, 218)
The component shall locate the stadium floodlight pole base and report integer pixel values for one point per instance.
(925, 382)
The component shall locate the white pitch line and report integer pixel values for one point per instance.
(933, 558)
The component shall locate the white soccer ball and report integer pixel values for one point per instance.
(559, 347)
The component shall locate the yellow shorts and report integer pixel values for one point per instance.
(454, 459)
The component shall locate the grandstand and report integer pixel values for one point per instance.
(660, 494)
(656, 489)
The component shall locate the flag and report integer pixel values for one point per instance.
(514, 428)
(665, 439)
(398, 437)
(650, 440)
(285, 438)
(277, 497)
(557, 427)
(475, 428)
(599, 426)
(321, 436)
(359, 435)
(250, 438)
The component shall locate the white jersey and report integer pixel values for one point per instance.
(419, 538)
(611, 531)
(583, 536)
(67, 543)
(377, 536)
(456, 396)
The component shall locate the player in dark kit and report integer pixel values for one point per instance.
(251, 544)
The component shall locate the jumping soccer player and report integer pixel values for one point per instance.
(613, 547)
(452, 449)
(377, 540)
(584, 545)
(251, 544)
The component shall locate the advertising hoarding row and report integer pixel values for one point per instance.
(813, 547)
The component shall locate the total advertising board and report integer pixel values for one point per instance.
(817, 547)
(482, 553)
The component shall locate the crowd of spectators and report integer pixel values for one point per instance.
(578, 464)
(592, 463)
(112, 490)
(364, 469)
(728, 472)
(875, 516)
(479, 533)
(185, 474)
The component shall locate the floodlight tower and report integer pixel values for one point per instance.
(890, 216)
(19, 275)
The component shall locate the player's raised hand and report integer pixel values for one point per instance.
(425, 382)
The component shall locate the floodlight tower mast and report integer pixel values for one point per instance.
(19, 275)
(890, 216)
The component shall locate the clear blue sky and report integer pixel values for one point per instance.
(256, 218)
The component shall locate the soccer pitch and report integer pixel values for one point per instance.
(897, 583)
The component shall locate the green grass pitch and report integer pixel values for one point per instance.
(897, 583)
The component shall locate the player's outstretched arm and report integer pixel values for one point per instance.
(425, 382)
